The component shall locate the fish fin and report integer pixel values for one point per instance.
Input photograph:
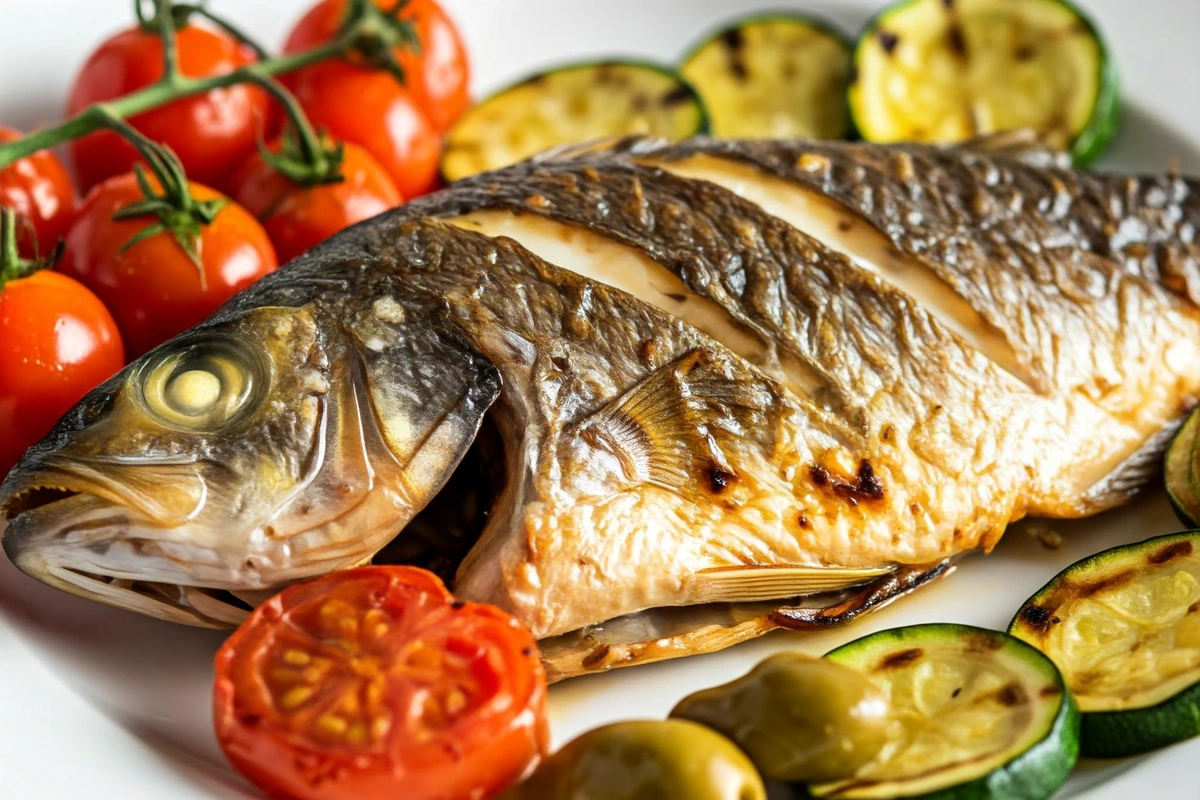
(1139, 469)
(1026, 145)
(870, 597)
(669, 428)
(751, 583)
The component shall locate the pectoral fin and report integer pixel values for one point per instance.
(669, 429)
(749, 584)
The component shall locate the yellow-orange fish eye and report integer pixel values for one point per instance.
(202, 386)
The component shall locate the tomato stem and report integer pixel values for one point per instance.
(309, 161)
(12, 266)
(177, 212)
(369, 31)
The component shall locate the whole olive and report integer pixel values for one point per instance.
(798, 718)
(645, 760)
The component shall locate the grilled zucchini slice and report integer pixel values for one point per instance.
(773, 77)
(575, 103)
(979, 715)
(1123, 626)
(1180, 471)
(951, 70)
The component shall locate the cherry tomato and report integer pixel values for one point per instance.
(39, 189)
(154, 288)
(298, 217)
(57, 343)
(369, 108)
(211, 133)
(439, 75)
(374, 683)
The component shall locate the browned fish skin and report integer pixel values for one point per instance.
(817, 426)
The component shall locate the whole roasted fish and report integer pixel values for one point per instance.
(725, 387)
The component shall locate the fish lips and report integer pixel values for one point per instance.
(92, 545)
(80, 510)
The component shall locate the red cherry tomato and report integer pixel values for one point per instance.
(39, 189)
(154, 289)
(57, 343)
(374, 684)
(438, 76)
(298, 217)
(211, 133)
(369, 108)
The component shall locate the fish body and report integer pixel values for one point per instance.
(730, 386)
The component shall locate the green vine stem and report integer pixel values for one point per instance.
(369, 31)
(307, 160)
(176, 211)
(12, 265)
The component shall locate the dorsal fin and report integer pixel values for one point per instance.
(1024, 145)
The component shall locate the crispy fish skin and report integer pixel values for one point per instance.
(768, 418)
(939, 426)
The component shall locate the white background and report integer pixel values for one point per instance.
(99, 704)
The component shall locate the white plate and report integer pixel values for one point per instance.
(97, 703)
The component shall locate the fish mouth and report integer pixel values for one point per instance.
(61, 533)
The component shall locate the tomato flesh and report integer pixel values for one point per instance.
(39, 189)
(57, 342)
(375, 683)
(211, 133)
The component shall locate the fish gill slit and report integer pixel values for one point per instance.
(620, 266)
(844, 231)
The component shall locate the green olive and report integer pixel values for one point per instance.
(645, 760)
(799, 719)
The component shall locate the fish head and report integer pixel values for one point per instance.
(240, 457)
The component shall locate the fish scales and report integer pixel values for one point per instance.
(715, 420)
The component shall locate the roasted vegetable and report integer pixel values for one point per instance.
(773, 76)
(981, 716)
(1124, 628)
(572, 104)
(949, 70)
(1180, 472)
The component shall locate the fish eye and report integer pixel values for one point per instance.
(203, 385)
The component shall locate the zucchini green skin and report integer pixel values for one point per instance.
(1089, 144)
(703, 126)
(1118, 734)
(1035, 774)
(850, 132)
(1179, 471)
(1133, 731)
(1093, 140)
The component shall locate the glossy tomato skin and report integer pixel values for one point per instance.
(39, 189)
(57, 343)
(297, 217)
(369, 108)
(375, 684)
(439, 75)
(154, 289)
(211, 133)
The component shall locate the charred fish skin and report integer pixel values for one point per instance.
(1051, 261)
(708, 408)
(1143, 321)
